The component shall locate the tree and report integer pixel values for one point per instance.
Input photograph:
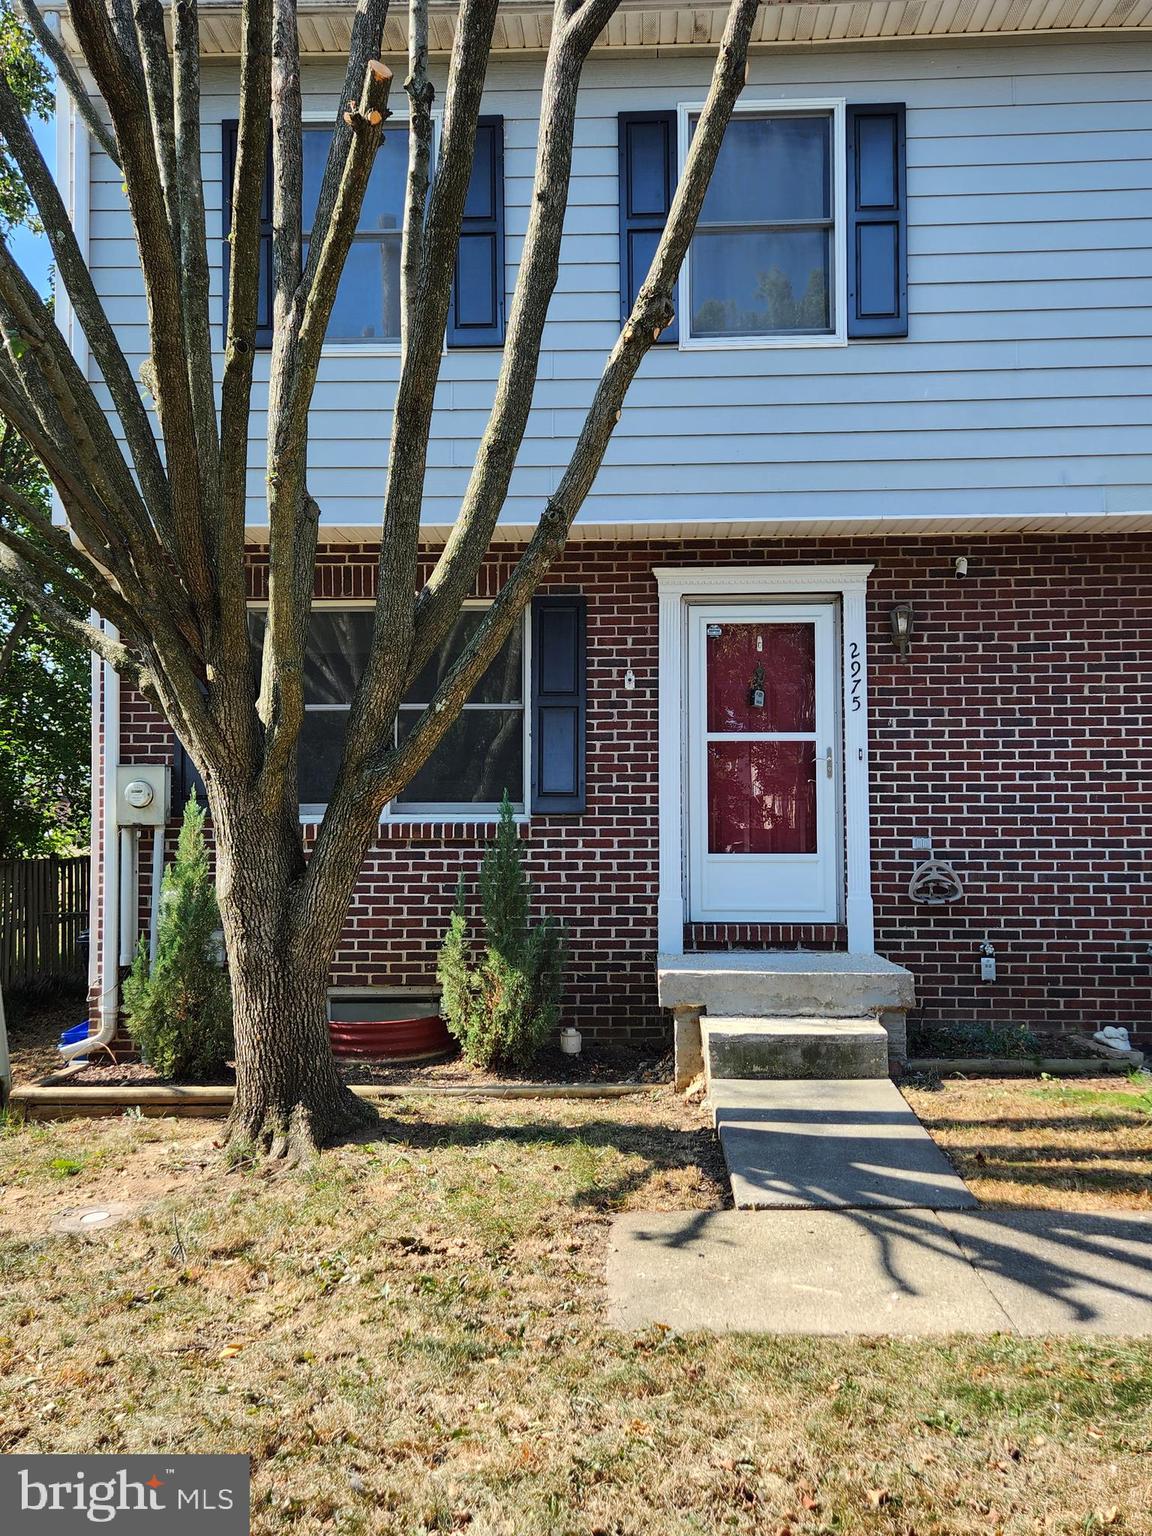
(44, 677)
(179, 1007)
(160, 522)
(45, 690)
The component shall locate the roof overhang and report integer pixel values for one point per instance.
(641, 26)
(871, 527)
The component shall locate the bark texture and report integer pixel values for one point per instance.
(290, 1096)
(155, 536)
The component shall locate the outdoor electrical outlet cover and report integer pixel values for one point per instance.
(988, 968)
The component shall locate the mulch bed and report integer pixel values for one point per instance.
(35, 1024)
(596, 1064)
(1050, 1046)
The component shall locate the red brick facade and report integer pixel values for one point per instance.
(1015, 735)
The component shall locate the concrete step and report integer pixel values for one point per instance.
(751, 1048)
(781, 984)
(838, 1145)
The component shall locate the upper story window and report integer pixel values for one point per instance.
(762, 261)
(480, 757)
(765, 265)
(367, 308)
(367, 304)
(803, 235)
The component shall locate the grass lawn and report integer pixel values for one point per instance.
(408, 1338)
(1074, 1144)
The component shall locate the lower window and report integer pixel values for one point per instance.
(480, 759)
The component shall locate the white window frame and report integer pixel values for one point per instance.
(446, 812)
(783, 106)
(482, 810)
(374, 348)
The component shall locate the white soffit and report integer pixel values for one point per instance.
(523, 26)
(769, 528)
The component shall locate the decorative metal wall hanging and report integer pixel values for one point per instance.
(935, 884)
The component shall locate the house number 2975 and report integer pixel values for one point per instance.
(855, 668)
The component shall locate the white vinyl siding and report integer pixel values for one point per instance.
(1021, 388)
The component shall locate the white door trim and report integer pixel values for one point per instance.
(675, 584)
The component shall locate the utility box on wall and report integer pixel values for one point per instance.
(143, 791)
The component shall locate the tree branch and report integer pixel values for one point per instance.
(420, 97)
(243, 280)
(160, 266)
(296, 364)
(195, 284)
(21, 581)
(382, 682)
(573, 33)
(102, 587)
(21, 621)
(366, 44)
(89, 311)
(54, 50)
(52, 570)
(389, 769)
(64, 427)
(152, 57)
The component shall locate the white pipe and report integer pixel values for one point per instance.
(94, 822)
(109, 1007)
(129, 894)
(157, 882)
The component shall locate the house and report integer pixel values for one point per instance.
(852, 649)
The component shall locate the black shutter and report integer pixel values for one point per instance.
(185, 779)
(559, 702)
(477, 315)
(229, 129)
(647, 182)
(877, 221)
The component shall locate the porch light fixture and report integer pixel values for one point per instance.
(901, 621)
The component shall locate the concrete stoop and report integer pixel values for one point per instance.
(791, 1014)
(794, 1048)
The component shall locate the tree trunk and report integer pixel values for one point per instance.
(290, 1097)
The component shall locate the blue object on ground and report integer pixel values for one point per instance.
(70, 1036)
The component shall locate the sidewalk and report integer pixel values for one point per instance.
(910, 1272)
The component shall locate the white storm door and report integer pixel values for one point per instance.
(763, 764)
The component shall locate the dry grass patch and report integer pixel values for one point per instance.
(408, 1339)
(1074, 1144)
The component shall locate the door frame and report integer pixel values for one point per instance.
(677, 585)
(823, 614)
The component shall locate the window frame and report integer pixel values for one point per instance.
(448, 812)
(834, 107)
(400, 120)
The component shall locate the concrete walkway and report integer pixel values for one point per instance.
(820, 1143)
(912, 1272)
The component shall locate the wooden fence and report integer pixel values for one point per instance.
(43, 911)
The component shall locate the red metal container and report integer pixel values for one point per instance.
(389, 1036)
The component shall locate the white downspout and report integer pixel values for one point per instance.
(109, 1007)
(157, 882)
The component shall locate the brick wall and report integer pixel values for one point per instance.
(1015, 735)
